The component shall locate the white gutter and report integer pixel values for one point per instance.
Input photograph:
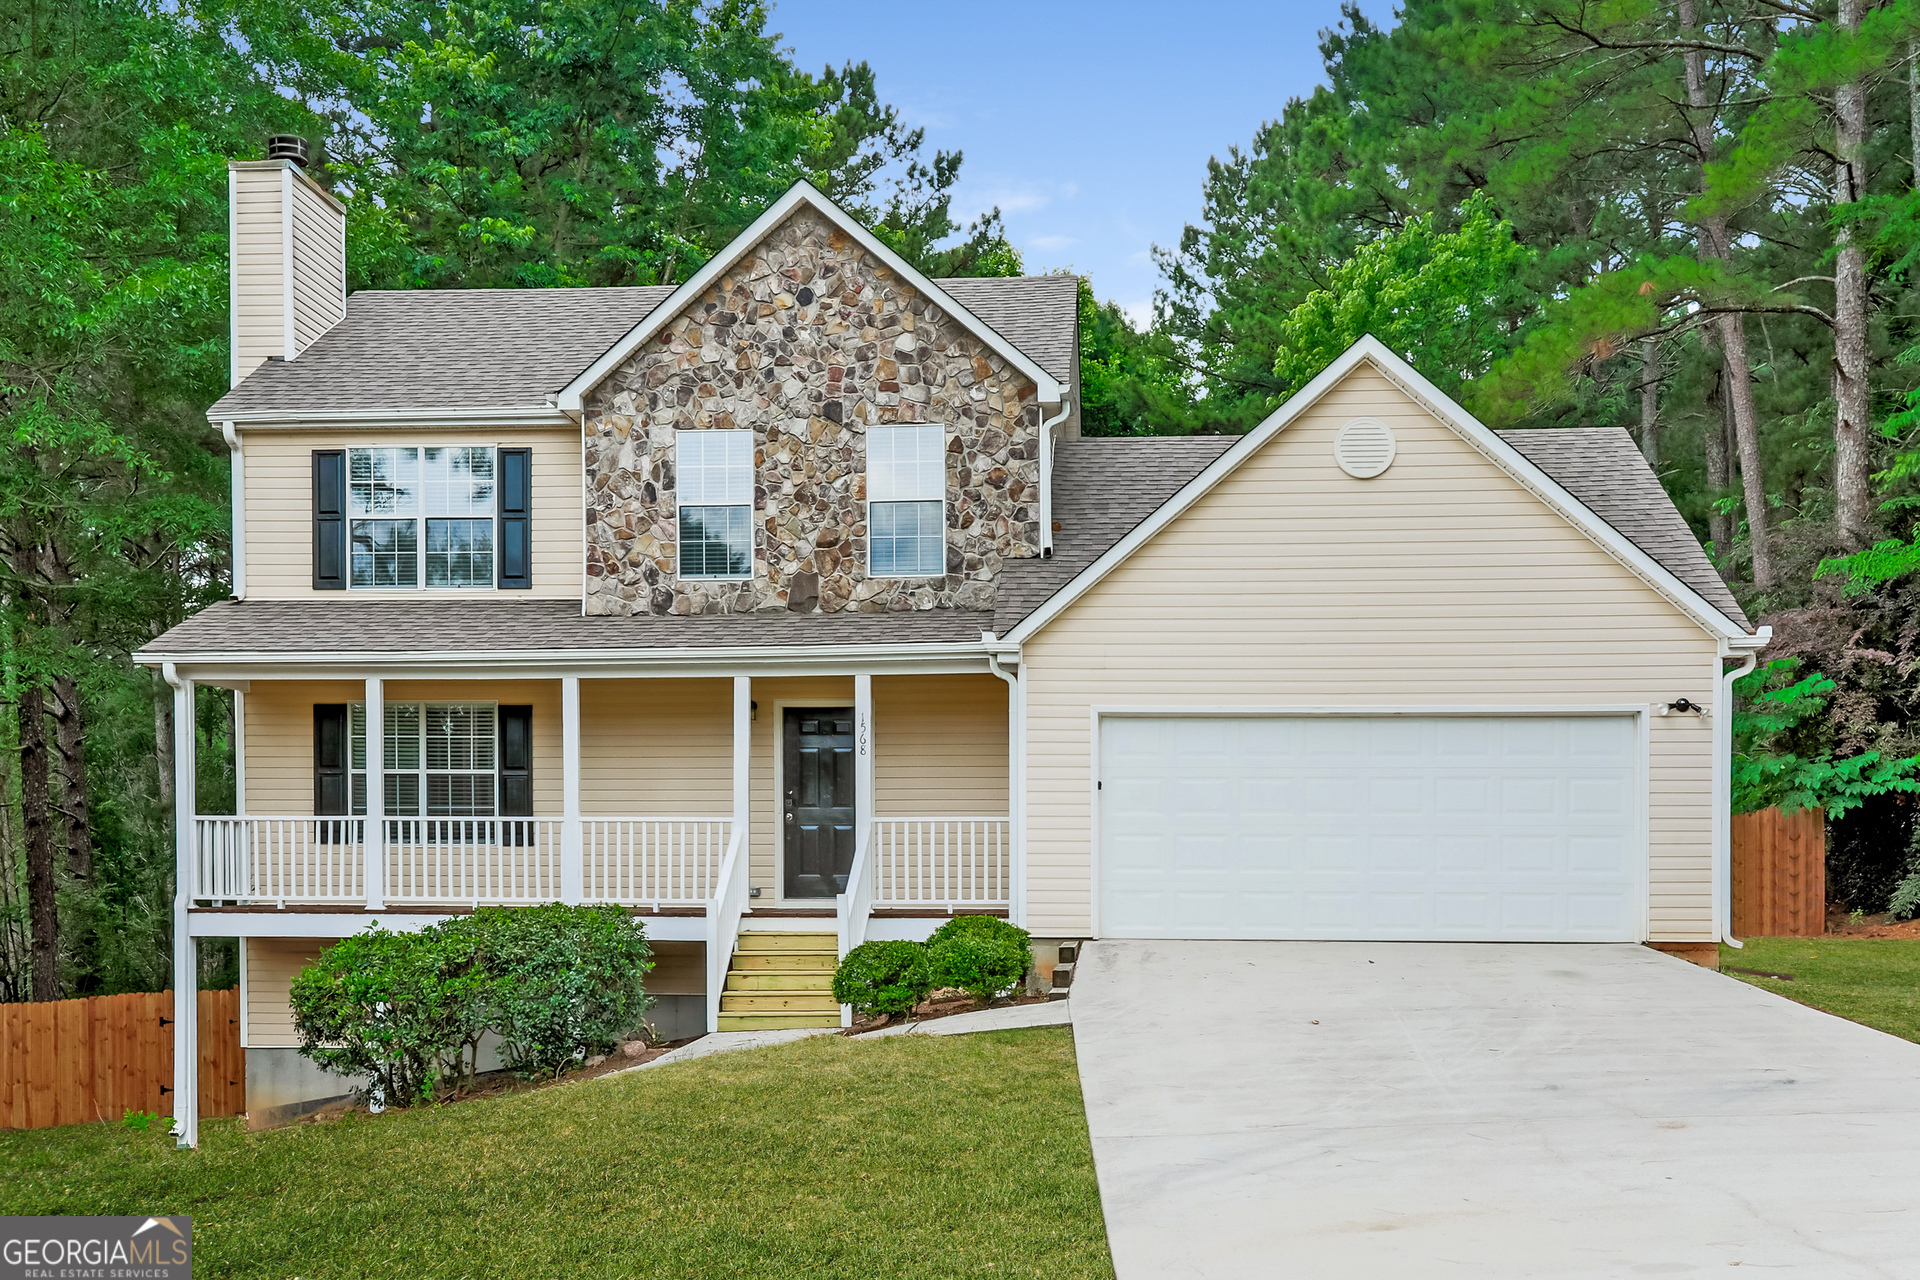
(1747, 649)
(1046, 474)
(238, 466)
(448, 416)
(997, 660)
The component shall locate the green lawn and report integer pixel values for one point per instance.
(1870, 980)
(910, 1156)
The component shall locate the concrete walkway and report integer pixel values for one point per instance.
(1051, 1014)
(729, 1042)
(1488, 1111)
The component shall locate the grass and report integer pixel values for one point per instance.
(909, 1156)
(1875, 981)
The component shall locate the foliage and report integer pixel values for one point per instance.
(1772, 770)
(402, 1011)
(1132, 383)
(561, 982)
(982, 955)
(928, 1150)
(883, 978)
(406, 1011)
(1450, 303)
(138, 1120)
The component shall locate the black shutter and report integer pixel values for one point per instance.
(516, 519)
(330, 520)
(330, 790)
(516, 762)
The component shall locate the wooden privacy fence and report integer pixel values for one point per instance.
(72, 1061)
(1780, 874)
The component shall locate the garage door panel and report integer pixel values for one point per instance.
(1514, 828)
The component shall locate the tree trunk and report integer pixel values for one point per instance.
(1852, 447)
(1913, 108)
(1716, 244)
(163, 740)
(1719, 471)
(35, 807)
(69, 740)
(1650, 400)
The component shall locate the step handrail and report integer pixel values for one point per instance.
(855, 907)
(723, 920)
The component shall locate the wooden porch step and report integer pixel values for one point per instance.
(811, 961)
(778, 1002)
(818, 979)
(770, 940)
(777, 1021)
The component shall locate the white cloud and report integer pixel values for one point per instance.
(1051, 244)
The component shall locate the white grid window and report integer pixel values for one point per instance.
(906, 501)
(403, 501)
(440, 755)
(714, 490)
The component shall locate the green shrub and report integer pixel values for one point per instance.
(883, 977)
(982, 955)
(563, 982)
(404, 1010)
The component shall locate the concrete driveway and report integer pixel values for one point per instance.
(1353, 1110)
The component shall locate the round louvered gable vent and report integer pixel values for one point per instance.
(1364, 448)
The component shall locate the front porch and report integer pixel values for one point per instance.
(690, 800)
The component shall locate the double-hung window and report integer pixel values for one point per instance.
(421, 516)
(441, 759)
(714, 490)
(906, 501)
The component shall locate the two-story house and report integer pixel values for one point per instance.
(787, 608)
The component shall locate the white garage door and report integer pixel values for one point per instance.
(1515, 828)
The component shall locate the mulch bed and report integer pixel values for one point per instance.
(1842, 925)
(944, 1004)
(493, 1084)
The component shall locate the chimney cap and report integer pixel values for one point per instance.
(288, 146)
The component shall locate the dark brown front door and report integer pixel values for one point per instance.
(818, 817)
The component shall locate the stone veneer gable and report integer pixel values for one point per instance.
(808, 341)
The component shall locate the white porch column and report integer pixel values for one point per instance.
(862, 759)
(572, 870)
(376, 846)
(186, 966)
(742, 754)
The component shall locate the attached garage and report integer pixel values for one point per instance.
(1511, 828)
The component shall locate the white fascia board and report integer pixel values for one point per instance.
(299, 920)
(396, 419)
(573, 397)
(208, 668)
(1370, 349)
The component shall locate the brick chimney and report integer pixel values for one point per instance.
(287, 250)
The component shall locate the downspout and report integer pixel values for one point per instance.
(1723, 785)
(186, 966)
(238, 469)
(1046, 474)
(1016, 779)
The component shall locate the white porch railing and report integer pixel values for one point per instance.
(647, 862)
(652, 861)
(472, 860)
(942, 862)
(723, 921)
(281, 859)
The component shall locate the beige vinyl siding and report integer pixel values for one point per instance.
(279, 733)
(656, 748)
(939, 746)
(319, 270)
(280, 506)
(1442, 583)
(259, 270)
(272, 964)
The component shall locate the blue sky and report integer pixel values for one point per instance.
(1089, 125)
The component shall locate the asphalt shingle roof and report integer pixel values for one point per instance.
(512, 348)
(1601, 467)
(450, 626)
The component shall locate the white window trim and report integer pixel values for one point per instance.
(680, 505)
(423, 771)
(420, 585)
(873, 501)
